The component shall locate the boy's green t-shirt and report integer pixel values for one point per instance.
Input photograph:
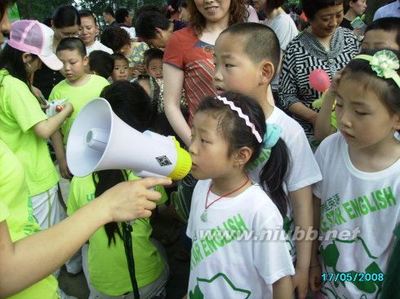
(20, 220)
(19, 113)
(108, 268)
(78, 96)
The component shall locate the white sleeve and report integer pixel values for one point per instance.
(253, 17)
(194, 211)
(271, 255)
(303, 169)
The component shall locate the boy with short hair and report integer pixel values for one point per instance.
(247, 56)
(78, 88)
(382, 34)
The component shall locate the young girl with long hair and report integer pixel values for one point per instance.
(236, 229)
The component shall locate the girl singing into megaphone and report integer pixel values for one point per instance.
(104, 259)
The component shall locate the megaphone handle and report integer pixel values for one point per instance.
(127, 237)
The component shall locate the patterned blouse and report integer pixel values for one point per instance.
(305, 54)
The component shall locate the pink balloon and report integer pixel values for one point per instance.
(319, 80)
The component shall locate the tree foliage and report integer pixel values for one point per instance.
(44, 8)
(39, 10)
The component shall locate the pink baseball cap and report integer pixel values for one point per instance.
(35, 38)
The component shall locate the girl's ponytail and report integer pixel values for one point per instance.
(273, 175)
(104, 180)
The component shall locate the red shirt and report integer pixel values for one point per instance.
(195, 58)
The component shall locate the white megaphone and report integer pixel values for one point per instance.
(100, 140)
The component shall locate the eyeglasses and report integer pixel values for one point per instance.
(69, 34)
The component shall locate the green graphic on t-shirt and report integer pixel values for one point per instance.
(216, 238)
(220, 278)
(336, 211)
(331, 255)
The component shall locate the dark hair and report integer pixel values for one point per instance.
(66, 16)
(85, 13)
(115, 38)
(239, 135)
(121, 14)
(270, 5)
(260, 42)
(237, 14)
(173, 6)
(151, 54)
(130, 102)
(108, 10)
(3, 6)
(101, 62)
(11, 60)
(148, 21)
(386, 24)
(361, 72)
(147, 8)
(311, 7)
(47, 21)
(119, 56)
(71, 44)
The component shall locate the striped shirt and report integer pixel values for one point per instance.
(195, 58)
(305, 54)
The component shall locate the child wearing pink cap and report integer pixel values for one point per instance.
(24, 129)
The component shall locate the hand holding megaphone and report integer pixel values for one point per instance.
(100, 140)
(131, 199)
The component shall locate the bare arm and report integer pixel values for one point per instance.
(304, 112)
(323, 128)
(58, 146)
(303, 218)
(283, 288)
(173, 84)
(33, 258)
(48, 127)
(315, 268)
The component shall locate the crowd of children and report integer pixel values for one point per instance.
(267, 217)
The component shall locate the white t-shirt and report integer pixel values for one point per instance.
(98, 46)
(253, 17)
(303, 170)
(363, 204)
(131, 31)
(225, 261)
(286, 30)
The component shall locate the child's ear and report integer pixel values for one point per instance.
(397, 122)
(267, 72)
(86, 60)
(242, 156)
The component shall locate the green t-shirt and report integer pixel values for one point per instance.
(19, 113)
(21, 223)
(78, 96)
(108, 268)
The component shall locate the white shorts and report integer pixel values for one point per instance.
(47, 208)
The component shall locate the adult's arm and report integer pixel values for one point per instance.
(289, 90)
(173, 84)
(35, 257)
(48, 127)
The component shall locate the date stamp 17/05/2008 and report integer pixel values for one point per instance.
(351, 276)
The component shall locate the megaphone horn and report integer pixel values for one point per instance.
(100, 140)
